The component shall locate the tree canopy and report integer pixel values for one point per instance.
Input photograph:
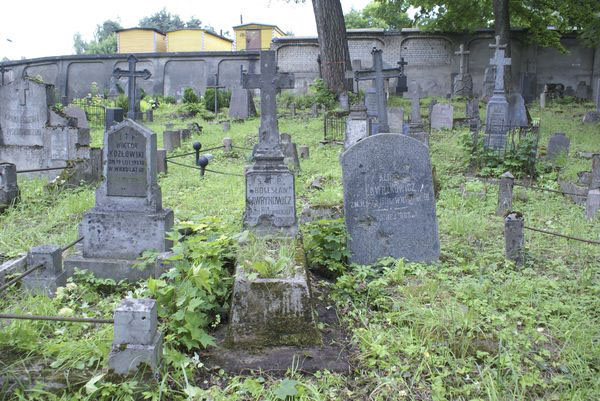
(377, 15)
(105, 39)
(165, 21)
(582, 16)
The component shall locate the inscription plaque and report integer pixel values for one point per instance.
(126, 164)
(388, 200)
(271, 196)
(59, 145)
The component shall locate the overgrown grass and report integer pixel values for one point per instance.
(473, 327)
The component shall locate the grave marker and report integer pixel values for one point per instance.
(270, 186)
(463, 82)
(134, 112)
(497, 118)
(396, 119)
(415, 129)
(558, 144)
(241, 104)
(358, 125)
(388, 200)
(442, 116)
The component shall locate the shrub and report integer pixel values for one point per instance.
(323, 95)
(327, 252)
(223, 99)
(189, 96)
(122, 101)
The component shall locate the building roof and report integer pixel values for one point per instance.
(141, 29)
(258, 23)
(213, 33)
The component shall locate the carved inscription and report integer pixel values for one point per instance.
(497, 126)
(22, 124)
(270, 196)
(126, 164)
(426, 51)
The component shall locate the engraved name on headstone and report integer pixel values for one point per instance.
(126, 164)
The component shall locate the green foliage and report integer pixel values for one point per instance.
(377, 15)
(122, 101)
(193, 294)
(323, 95)
(267, 257)
(192, 109)
(287, 98)
(189, 96)
(222, 99)
(164, 21)
(326, 248)
(168, 99)
(104, 42)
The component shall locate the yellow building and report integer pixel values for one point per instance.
(255, 36)
(141, 40)
(197, 40)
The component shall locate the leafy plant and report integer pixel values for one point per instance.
(189, 96)
(323, 95)
(122, 101)
(267, 257)
(222, 99)
(326, 248)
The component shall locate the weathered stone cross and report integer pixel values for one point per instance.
(23, 88)
(379, 75)
(415, 115)
(132, 74)
(499, 61)
(497, 45)
(462, 53)
(3, 70)
(268, 81)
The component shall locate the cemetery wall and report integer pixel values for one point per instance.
(430, 57)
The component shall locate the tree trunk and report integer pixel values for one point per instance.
(333, 44)
(502, 23)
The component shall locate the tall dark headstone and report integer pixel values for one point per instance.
(270, 186)
(497, 119)
(134, 112)
(112, 117)
(389, 203)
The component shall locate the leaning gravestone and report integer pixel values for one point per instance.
(32, 135)
(557, 145)
(128, 218)
(389, 203)
(442, 116)
(518, 116)
(79, 114)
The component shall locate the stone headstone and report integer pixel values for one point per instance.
(488, 82)
(9, 191)
(591, 117)
(430, 106)
(128, 217)
(389, 203)
(416, 129)
(133, 94)
(462, 84)
(396, 119)
(583, 91)
(270, 185)
(241, 105)
(344, 101)
(79, 114)
(171, 140)
(557, 145)
(293, 109)
(32, 135)
(518, 114)
(112, 117)
(149, 115)
(442, 116)
(498, 117)
(358, 125)
(371, 105)
(543, 97)
(290, 152)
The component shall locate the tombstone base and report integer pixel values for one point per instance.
(272, 311)
(125, 358)
(44, 285)
(591, 117)
(592, 204)
(8, 198)
(116, 269)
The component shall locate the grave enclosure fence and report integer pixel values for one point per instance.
(334, 126)
(95, 113)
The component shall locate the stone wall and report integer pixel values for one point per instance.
(431, 60)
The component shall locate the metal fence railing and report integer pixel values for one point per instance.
(95, 113)
(334, 126)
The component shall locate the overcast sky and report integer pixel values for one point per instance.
(39, 28)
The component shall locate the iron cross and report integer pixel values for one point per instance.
(216, 87)
(268, 81)
(499, 61)
(131, 74)
(3, 70)
(378, 74)
(462, 53)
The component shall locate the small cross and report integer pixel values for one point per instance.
(3, 70)
(216, 87)
(23, 88)
(462, 53)
(415, 116)
(131, 74)
(497, 45)
(499, 61)
(268, 81)
(401, 65)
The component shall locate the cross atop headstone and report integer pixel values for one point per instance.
(23, 88)
(462, 53)
(3, 70)
(497, 45)
(415, 115)
(401, 64)
(268, 81)
(379, 75)
(131, 74)
(499, 61)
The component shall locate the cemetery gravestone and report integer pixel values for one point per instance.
(79, 114)
(389, 203)
(594, 116)
(128, 217)
(416, 129)
(9, 191)
(582, 91)
(358, 125)
(497, 116)
(242, 104)
(463, 82)
(290, 152)
(528, 84)
(134, 111)
(396, 119)
(32, 135)
(270, 186)
(371, 107)
(442, 116)
(171, 140)
(112, 117)
(518, 116)
(557, 145)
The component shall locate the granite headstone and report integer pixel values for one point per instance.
(557, 145)
(442, 116)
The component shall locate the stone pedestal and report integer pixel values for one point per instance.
(47, 279)
(497, 122)
(513, 237)
(171, 140)
(462, 85)
(9, 191)
(358, 125)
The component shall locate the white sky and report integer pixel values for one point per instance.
(39, 28)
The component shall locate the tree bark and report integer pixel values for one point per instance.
(333, 44)
(502, 23)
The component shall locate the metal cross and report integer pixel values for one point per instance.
(497, 45)
(499, 61)
(3, 70)
(132, 74)
(268, 81)
(379, 75)
(216, 87)
(401, 64)
(462, 53)
(23, 88)
(415, 116)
